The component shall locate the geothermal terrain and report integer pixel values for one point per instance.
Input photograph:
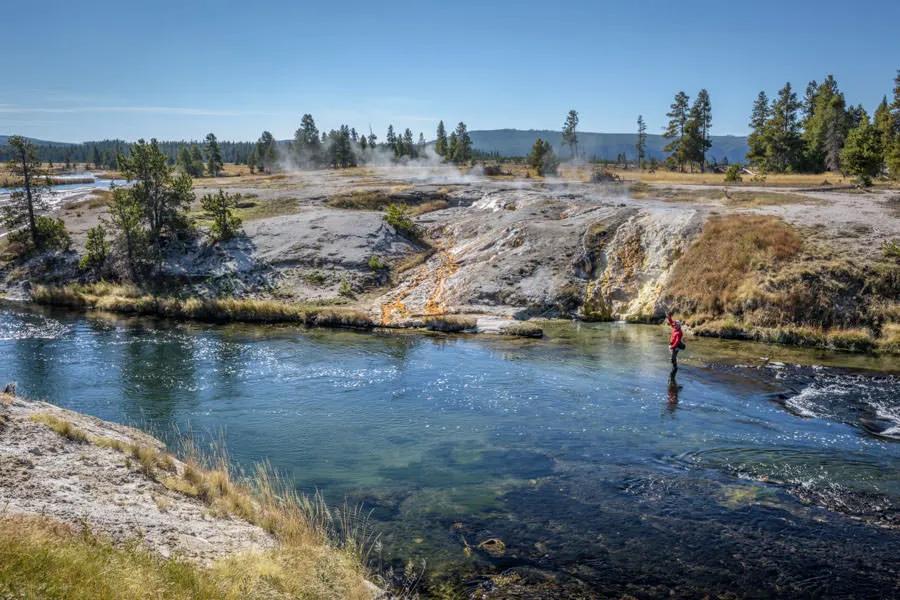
(514, 247)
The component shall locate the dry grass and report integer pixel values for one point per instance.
(663, 176)
(361, 200)
(523, 329)
(321, 552)
(890, 338)
(450, 323)
(252, 209)
(427, 207)
(61, 426)
(737, 198)
(129, 300)
(716, 273)
(847, 339)
(42, 558)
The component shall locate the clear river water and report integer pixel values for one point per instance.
(766, 471)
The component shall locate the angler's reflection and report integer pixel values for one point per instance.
(673, 391)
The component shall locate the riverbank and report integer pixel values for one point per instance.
(130, 300)
(95, 509)
(777, 264)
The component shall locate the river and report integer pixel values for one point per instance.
(767, 471)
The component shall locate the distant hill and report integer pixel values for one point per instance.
(518, 142)
(4, 139)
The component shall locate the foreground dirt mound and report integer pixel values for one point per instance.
(45, 473)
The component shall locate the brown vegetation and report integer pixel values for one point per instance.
(130, 300)
(716, 273)
(450, 323)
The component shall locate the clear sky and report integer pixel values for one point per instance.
(79, 70)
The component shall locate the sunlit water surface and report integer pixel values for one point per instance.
(753, 475)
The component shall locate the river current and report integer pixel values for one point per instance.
(764, 471)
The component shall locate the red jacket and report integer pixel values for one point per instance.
(677, 334)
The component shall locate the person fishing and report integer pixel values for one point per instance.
(675, 341)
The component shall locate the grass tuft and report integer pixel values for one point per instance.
(61, 426)
(450, 323)
(128, 300)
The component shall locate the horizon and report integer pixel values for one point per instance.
(518, 66)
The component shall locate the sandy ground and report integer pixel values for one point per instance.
(43, 473)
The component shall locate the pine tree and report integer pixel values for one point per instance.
(407, 143)
(219, 207)
(702, 114)
(462, 149)
(306, 146)
(836, 129)
(266, 152)
(884, 123)
(440, 142)
(125, 219)
(895, 107)
(96, 250)
(95, 158)
(757, 142)
(863, 154)
(641, 145)
(678, 117)
(809, 102)
(569, 135)
(542, 159)
(25, 166)
(196, 162)
(783, 131)
(825, 125)
(213, 156)
(391, 140)
(161, 195)
(452, 143)
(373, 140)
(363, 143)
(185, 162)
(420, 145)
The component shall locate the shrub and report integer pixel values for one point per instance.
(51, 235)
(96, 250)
(219, 207)
(733, 174)
(397, 216)
(891, 249)
(345, 290)
(376, 264)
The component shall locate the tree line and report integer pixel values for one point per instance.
(823, 132)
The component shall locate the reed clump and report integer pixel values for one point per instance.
(130, 300)
(450, 323)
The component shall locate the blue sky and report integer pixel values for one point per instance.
(176, 70)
